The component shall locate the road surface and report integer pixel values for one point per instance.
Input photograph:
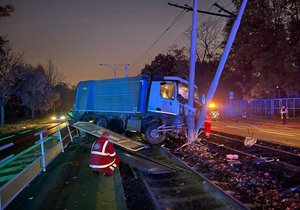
(272, 131)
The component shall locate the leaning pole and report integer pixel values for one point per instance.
(216, 79)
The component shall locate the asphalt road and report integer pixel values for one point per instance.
(272, 131)
(15, 142)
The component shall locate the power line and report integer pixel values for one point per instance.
(178, 17)
(203, 20)
(189, 8)
(216, 19)
(188, 28)
(199, 18)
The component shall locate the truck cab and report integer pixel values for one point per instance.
(168, 100)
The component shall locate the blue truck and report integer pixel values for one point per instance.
(153, 105)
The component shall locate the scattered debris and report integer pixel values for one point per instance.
(249, 181)
(267, 175)
(232, 156)
(232, 159)
(250, 140)
(257, 161)
(233, 162)
(292, 189)
(267, 159)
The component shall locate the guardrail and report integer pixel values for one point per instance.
(50, 147)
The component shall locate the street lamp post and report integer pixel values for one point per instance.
(126, 70)
(114, 68)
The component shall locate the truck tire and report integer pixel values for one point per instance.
(153, 136)
(101, 121)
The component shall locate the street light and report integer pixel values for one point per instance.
(114, 68)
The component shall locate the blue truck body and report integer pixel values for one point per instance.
(121, 95)
(155, 106)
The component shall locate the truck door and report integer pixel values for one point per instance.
(162, 98)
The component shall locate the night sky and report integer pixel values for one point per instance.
(78, 35)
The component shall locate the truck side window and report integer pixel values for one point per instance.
(167, 90)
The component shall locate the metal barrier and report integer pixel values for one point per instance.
(12, 188)
(261, 107)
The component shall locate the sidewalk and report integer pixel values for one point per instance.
(69, 184)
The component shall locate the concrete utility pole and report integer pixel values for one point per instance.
(215, 82)
(190, 117)
(114, 68)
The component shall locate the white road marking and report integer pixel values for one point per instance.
(283, 134)
(254, 126)
(229, 126)
(264, 131)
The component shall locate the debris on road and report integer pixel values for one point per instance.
(232, 157)
(250, 140)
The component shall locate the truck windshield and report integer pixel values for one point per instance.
(183, 90)
(167, 90)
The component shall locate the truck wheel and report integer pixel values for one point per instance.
(101, 121)
(153, 136)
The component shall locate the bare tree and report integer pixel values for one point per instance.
(53, 76)
(5, 11)
(8, 61)
(33, 89)
(210, 39)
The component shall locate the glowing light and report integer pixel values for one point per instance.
(63, 117)
(212, 105)
(53, 118)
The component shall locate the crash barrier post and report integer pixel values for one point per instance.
(41, 141)
(13, 187)
(68, 126)
(60, 138)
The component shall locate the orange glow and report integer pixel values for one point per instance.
(212, 105)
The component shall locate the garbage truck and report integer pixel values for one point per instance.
(155, 105)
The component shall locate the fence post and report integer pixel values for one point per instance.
(42, 148)
(71, 137)
(60, 138)
(294, 107)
